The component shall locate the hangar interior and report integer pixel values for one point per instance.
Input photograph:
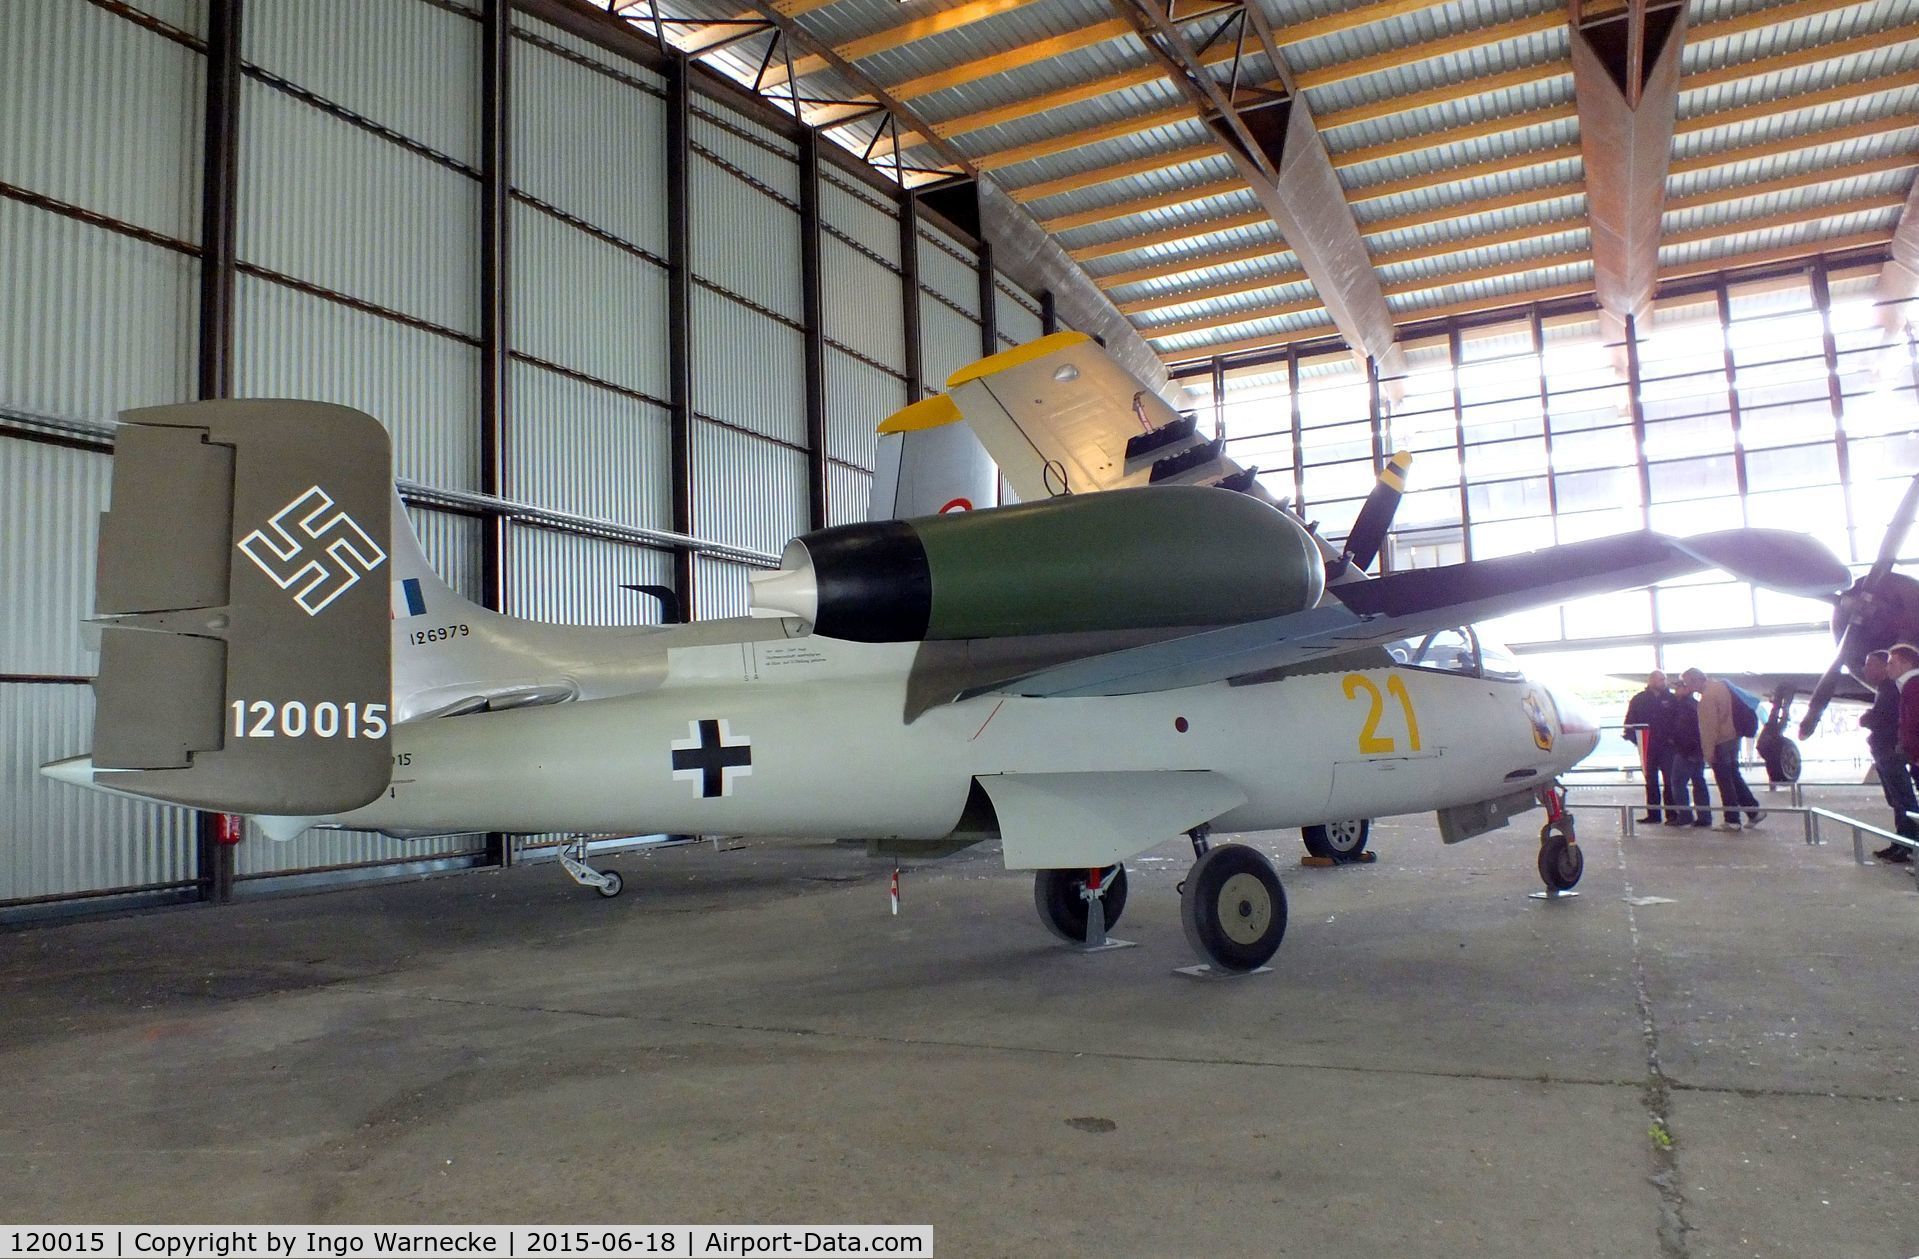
(632, 288)
(632, 283)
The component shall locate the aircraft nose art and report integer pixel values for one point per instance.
(1578, 729)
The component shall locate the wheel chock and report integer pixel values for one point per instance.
(1319, 863)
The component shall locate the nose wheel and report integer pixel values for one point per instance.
(1561, 860)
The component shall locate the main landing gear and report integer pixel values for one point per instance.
(1561, 860)
(1079, 906)
(573, 857)
(1341, 842)
(1231, 905)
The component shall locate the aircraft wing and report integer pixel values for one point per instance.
(1061, 417)
(1766, 685)
(1419, 601)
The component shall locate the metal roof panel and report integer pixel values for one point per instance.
(1517, 255)
(1501, 286)
(1793, 235)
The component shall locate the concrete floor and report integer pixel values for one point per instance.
(1438, 1065)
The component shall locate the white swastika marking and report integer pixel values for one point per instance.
(311, 545)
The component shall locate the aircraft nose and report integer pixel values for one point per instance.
(1577, 726)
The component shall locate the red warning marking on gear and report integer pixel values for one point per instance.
(958, 504)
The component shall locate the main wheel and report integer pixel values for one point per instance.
(1342, 841)
(1561, 861)
(1056, 894)
(1233, 908)
(1782, 762)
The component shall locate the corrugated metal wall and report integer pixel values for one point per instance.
(358, 235)
(357, 183)
(949, 306)
(101, 115)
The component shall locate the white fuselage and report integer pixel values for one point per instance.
(808, 736)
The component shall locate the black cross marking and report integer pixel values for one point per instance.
(712, 759)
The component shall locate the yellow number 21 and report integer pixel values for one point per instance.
(1371, 742)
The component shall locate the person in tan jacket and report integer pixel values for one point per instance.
(1720, 739)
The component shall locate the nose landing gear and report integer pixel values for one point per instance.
(1561, 860)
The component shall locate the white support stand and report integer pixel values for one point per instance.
(1550, 895)
(1097, 940)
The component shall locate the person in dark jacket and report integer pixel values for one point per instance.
(1881, 723)
(1649, 728)
(1688, 772)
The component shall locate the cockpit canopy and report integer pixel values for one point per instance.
(1465, 651)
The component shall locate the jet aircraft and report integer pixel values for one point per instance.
(1145, 646)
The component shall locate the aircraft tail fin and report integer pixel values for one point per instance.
(245, 659)
(928, 464)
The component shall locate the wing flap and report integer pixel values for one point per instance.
(1089, 821)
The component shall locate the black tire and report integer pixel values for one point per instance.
(1343, 841)
(1056, 894)
(1233, 908)
(612, 885)
(1784, 764)
(1561, 861)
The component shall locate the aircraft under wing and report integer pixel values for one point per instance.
(1060, 417)
(1419, 601)
(1101, 817)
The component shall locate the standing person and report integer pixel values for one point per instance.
(1719, 737)
(1686, 773)
(1902, 663)
(1648, 726)
(1881, 723)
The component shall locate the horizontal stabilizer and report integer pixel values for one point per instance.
(245, 661)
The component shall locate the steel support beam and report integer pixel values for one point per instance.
(988, 303)
(219, 214)
(814, 303)
(219, 209)
(909, 212)
(1835, 398)
(1898, 289)
(679, 318)
(496, 183)
(496, 187)
(1626, 67)
(1275, 147)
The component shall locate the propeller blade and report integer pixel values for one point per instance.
(1775, 558)
(1895, 538)
(1822, 692)
(1376, 517)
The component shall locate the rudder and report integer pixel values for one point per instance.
(245, 661)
